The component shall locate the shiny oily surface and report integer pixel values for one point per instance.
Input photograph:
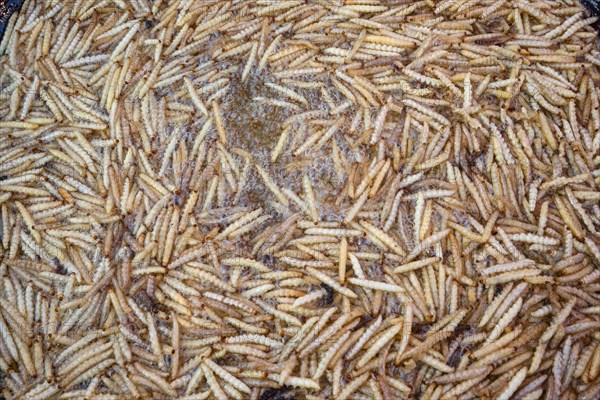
(300, 200)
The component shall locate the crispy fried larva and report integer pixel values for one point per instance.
(327, 199)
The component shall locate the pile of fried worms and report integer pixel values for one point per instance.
(324, 199)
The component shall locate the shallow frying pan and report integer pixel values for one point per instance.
(7, 8)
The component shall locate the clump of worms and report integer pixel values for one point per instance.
(358, 199)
